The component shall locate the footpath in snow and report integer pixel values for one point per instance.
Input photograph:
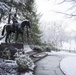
(49, 66)
(67, 64)
(57, 63)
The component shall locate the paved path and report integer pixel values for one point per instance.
(49, 66)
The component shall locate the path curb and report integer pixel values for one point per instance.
(60, 67)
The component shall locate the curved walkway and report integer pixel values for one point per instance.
(49, 66)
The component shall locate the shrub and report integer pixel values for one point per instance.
(38, 49)
(6, 54)
(24, 62)
(48, 49)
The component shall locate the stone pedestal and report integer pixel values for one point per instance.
(13, 47)
(16, 45)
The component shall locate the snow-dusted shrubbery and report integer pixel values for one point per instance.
(8, 67)
(47, 49)
(24, 62)
(6, 54)
(38, 49)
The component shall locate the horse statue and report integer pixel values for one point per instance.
(19, 30)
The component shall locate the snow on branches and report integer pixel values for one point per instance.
(4, 7)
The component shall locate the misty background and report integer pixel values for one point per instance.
(58, 22)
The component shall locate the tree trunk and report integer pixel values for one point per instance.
(9, 17)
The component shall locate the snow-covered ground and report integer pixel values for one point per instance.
(61, 53)
(68, 63)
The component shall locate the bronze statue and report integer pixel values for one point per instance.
(19, 29)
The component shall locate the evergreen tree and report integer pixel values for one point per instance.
(35, 33)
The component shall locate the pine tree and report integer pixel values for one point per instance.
(35, 33)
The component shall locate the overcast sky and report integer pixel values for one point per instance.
(48, 9)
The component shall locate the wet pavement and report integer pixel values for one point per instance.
(49, 66)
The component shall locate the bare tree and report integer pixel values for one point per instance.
(74, 35)
(54, 33)
(57, 34)
(72, 7)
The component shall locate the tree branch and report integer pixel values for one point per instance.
(62, 2)
(70, 15)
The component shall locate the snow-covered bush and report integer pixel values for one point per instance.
(38, 49)
(9, 52)
(24, 62)
(6, 54)
(48, 49)
(8, 67)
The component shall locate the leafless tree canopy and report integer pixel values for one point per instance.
(73, 7)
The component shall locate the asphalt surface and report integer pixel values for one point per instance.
(49, 66)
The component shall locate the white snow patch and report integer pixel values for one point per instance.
(27, 48)
(62, 53)
(28, 73)
(4, 6)
(68, 65)
(1, 27)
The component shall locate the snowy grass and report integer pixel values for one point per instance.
(68, 65)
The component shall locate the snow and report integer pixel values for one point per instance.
(4, 6)
(61, 53)
(1, 27)
(27, 48)
(29, 73)
(20, 1)
(68, 65)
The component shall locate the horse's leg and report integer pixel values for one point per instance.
(6, 39)
(22, 38)
(7, 36)
(16, 36)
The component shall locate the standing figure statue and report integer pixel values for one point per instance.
(15, 22)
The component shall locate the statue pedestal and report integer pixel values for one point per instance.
(15, 45)
(11, 46)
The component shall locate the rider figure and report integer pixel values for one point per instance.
(15, 22)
